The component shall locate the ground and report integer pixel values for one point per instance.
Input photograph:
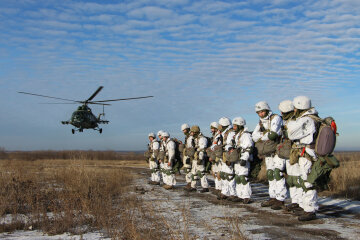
(201, 216)
(209, 218)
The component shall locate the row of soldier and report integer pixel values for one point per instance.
(230, 153)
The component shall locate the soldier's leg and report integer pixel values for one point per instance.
(293, 172)
(217, 176)
(280, 184)
(203, 179)
(270, 175)
(309, 198)
(194, 176)
(188, 176)
(156, 174)
(225, 189)
(243, 188)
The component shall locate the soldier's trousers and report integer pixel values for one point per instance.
(309, 199)
(155, 171)
(295, 191)
(242, 190)
(169, 179)
(187, 169)
(227, 185)
(216, 168)
(277, 187)
(198, 173)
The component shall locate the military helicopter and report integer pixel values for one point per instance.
(83, 118)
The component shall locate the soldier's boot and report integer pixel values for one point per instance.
(167, 187)
(299, 212)
(187, 187)
(222, 196)
(230, 198)
(204, 190)
(278, 205)
(237, 199)
(246, 200)
(192, 189)
(268, 203)
(308, 216)
(291, 207)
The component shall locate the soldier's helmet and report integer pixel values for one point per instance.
(286, 106)
(302, 102)
(262, 106)
(239, 121)
(224, 121)
(195, 129)
(184, 126)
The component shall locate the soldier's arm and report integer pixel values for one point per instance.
(257, 134)
(246, 144)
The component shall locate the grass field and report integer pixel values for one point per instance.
(78, 192)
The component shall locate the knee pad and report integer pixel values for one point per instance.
(222, 175)
(200, 174)
(278, 175)
(241, 179)
(270, 174)
(291, 181)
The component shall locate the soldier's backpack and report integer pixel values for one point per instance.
(325, 140)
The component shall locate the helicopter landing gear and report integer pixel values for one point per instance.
(72, 131)
(100, 130)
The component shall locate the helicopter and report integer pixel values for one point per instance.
(83, 118)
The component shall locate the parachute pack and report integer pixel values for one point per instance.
(326, 135)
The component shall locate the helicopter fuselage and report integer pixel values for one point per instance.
(84, 119)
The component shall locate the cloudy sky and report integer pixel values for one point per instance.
(200, 59)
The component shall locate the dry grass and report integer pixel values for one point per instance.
(74, 196)
(345, 180)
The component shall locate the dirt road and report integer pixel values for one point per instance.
(201, 216)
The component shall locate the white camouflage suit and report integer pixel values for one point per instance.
(277, 188)
(293, 170)
(187, 167)
(216, 166)
(161, 149)
(169, 147)
(244, 142)
(199, 144)
(302, 131)
(227, 187)
(153, 162)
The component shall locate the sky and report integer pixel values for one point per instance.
(201, 60)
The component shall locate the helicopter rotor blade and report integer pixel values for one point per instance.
(64, 99)
(121, 99)
(94, 94)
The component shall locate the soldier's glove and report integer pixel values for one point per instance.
(242, 162)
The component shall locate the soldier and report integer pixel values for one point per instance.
(169, 161)
(185, 128)
(227, 170)
(153, 150)
(199, 144)
(161, 154)
(269, 129)
(286, 108)
(302, 132)
(216, 142)
(244, 144)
